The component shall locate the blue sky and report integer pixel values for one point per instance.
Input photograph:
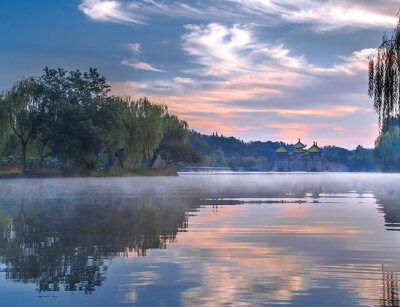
(255, 69)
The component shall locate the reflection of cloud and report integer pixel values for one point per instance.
(244, 259)
(268, 272)
(130, 297)
(279, 251)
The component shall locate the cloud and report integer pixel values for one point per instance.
(243, 86)
(356, 62)
(328, 15)
(332, 16)
(140, 65)
(322, 15)
(235, 54)
(109, 11)
(136, 48)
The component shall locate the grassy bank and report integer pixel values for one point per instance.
(16, 172)
(139, 171)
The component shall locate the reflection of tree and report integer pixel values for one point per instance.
(388, 204)
(63, 242)
(390, 288)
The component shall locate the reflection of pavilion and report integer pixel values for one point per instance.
(298, 159)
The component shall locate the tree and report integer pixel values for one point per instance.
(72, 118)
(109, 118)
(18, 108)
(173, 147)
(384, 76)
(386, 154)
(143, 128)
(174, 152)
(362, 160)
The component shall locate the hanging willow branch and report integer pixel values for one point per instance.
(384, 76)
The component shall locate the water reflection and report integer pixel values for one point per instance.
(303, 240)
(62, 244)
(390, 288)
(389, 205)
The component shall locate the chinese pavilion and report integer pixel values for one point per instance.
(298, 159)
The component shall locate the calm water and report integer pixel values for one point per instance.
(202, 239)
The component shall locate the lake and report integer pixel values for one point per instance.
(302, 239)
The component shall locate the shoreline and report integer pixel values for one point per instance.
(116, 172)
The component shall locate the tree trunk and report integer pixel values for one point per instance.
(24, 170)
(41, 157)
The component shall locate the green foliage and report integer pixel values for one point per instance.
(73, 118)
(18, 107)
(218, 150)
(143, 123)
(362, 160)
(178, 152)
(75, 137)
(173, 147)
(386, 154)
(337, 155)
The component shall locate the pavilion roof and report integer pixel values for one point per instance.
(281, 149)
(315, 149)
(299, 145)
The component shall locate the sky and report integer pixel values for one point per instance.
(253, 69)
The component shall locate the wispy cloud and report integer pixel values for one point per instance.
(323, 15)
(110, 11)
(140, 65)
(356, 62)
(334, 15)
(135, 63)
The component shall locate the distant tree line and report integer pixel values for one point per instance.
(218, 150)
(72, 116)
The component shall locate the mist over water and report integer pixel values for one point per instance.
(305, 239)
(202, 184)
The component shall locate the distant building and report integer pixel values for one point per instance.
(298, 159)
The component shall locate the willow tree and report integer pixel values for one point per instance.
(384, 77)
(18, 108)
(144, 128)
